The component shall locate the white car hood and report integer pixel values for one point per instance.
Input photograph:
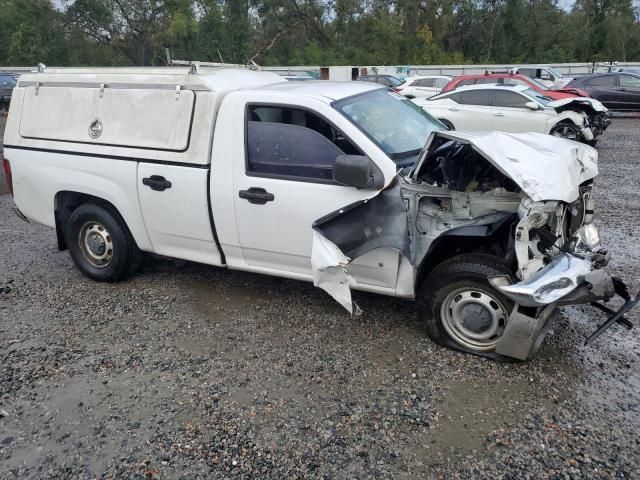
(595, 104)
(543, 166)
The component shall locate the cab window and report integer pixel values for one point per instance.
(292, 143)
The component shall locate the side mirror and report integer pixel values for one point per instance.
(532, 105)
(358, 171)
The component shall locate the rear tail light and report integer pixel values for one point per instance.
(396, 89)
(7, 173)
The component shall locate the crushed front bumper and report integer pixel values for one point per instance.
(562, 276)
(569, 279)
(598, 123)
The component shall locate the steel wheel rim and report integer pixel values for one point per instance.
(565, 131)
(474, 318)
(96, 244)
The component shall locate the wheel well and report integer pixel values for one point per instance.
(66, 202)
(447, 123)
(497, 240)
(566, 121)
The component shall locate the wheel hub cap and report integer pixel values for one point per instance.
(474, 318)
(96, 244)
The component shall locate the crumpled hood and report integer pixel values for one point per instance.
(592, 102)
(543, 166)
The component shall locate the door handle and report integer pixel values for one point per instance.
(498, 114)
(453, 109)
(157, 183)
(256, 195)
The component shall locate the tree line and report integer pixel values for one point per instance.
(317, 32)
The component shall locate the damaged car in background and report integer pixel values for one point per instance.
(517, 109)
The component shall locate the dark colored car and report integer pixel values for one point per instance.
(386, 80)
(7, 84)
(616, 91)
(513, 79)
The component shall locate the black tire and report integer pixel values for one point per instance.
(94, 230)
(465, 274)
(447, 124)
(568, 130)
(592, 143)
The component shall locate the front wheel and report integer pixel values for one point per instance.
(566, 130)
(460, 309)
(100, 243)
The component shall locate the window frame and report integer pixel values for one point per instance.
(440, 83)
(489, 97)
(525, 97)
(588, 81)
(278, 176)
(627, 75)
(432, 80)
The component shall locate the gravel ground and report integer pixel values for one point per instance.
(195, 372)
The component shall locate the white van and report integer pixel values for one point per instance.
(346, 184)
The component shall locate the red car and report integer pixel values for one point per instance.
(513, 79)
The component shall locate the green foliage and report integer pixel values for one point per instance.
(317, 32)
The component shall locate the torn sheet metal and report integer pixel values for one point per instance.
(352, 231)
(592, 102)
(329, 266)
(543, 166)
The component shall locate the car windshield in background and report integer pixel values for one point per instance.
(396, 124)
(395, 82)
(555, 72)
(539, 84)
(538, 97)
(7, 80)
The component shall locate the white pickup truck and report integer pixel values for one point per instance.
(347, 184)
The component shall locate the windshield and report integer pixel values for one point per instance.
(396, 124)
(538, 97)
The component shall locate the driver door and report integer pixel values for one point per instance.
(285, 184)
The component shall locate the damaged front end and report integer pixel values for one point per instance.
(525, 199)
(594, 114)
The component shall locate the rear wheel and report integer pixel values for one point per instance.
(566, 130)
(100, 243)
(458, 306)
